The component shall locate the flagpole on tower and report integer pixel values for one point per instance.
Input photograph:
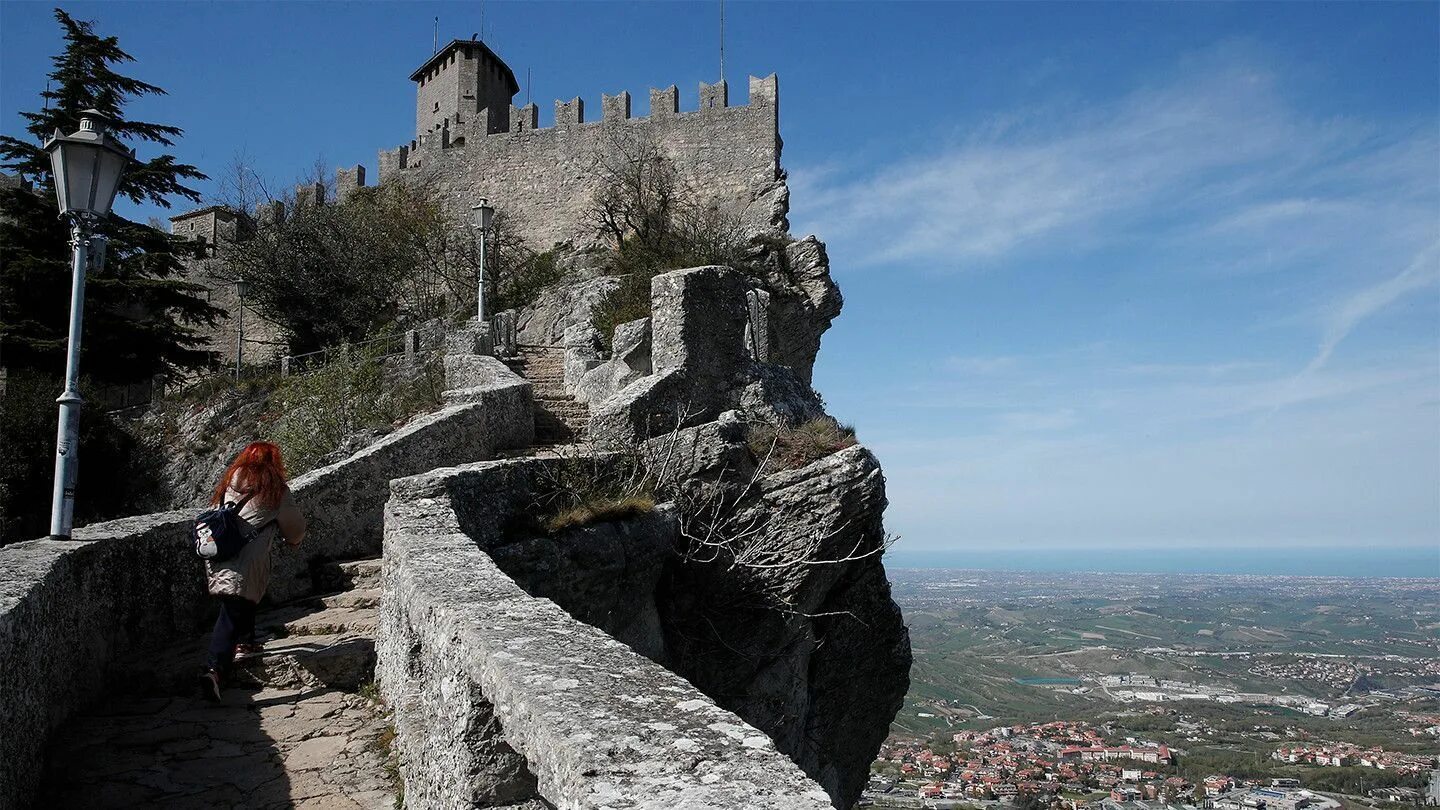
(722, 40)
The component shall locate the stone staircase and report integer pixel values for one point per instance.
(296, 728)
(559, 418)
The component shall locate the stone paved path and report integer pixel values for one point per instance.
(299, 734)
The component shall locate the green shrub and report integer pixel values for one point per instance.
(314, 413)
(656, 224)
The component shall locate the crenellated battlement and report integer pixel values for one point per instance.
(542, 175)
(764, 94)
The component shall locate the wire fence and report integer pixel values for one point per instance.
(391, 344)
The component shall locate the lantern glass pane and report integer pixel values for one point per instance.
(111, 165)
(79, 175)
(58, 173)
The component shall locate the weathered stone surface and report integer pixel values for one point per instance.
(809, 649)
(582, 353)
(701, 363)
(707, 454)
(649, 406)
(604, 575)
(804, 299)
(343, 503)
(561, 307)
(629, 361)
(67, 608)
(775, 394)
(698, 324)
(462, 621)
(253, 752)
(464, 373)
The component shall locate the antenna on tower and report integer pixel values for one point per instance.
(436, 48)
(527, 85)
(722, 40)
(481, 35)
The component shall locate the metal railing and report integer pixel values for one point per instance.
(391, 344)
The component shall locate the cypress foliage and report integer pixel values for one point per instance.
(140, 313)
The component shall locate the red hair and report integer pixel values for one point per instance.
(258, 470)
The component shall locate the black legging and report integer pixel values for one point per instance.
(235, 623)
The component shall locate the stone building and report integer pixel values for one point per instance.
(215, 228)
(472, 142)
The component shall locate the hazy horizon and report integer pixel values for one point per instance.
(1320, 561)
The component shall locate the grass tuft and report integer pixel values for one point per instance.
(600, 510)
(790, 448)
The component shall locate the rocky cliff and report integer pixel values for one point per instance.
(763, 585)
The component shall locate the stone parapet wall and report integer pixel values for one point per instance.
(544, 178)
(501, 697)
(68, 610)
(344, 503)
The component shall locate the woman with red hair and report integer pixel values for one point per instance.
(255, 482)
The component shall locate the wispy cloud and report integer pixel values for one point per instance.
(1216, 152)
(1210, 384)
(1422, 273)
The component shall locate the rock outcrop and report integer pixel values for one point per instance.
(775, 603)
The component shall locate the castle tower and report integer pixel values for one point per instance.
(459, 81)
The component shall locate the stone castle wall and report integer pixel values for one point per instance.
(544, 178)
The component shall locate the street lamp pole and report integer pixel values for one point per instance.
(67, 435)
(483, 214)
(86, 168)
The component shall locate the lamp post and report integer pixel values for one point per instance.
(242, 287)
(86, 168)
(483, 214)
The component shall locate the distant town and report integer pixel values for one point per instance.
(1141, 692)
(1073, 763)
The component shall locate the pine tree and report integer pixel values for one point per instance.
(140, 313)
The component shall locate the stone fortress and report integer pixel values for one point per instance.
(735, 648)
(472, 142)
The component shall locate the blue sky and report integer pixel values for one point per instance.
(1117, 275)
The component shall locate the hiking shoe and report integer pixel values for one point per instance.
(210, 686)
(249, 650)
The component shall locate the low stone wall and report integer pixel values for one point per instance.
(68, 609)
(501, 697)
(344, 503)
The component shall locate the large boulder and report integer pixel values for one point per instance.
(698, 356)
(803, 300)
(629, 361)
(560, 307)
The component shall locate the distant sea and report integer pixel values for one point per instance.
(1325, 561)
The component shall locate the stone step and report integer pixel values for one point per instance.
(336, 660)
(357, 598)
(348, 574)
(304, 621)
(342, 660)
